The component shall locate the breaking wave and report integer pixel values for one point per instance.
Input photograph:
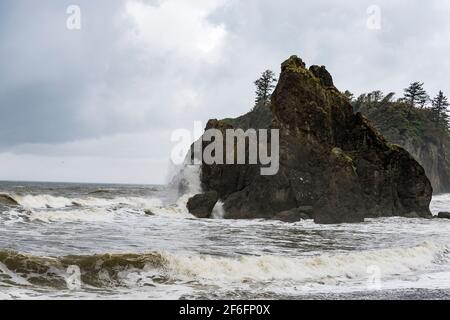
(44, 201)
(95, 270)
(161, 267)
(47, 208)
(75, 215)
(186, 177)
(99, 204)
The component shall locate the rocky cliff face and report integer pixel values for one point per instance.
(331, 160)
(414, 131)
(434, 157)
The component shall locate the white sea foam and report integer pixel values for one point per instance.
(82, 215)
(179, 208)
(49, 209)
(42, 201)
(188, 177)
(329, 269)
(352, 265)
(48, 216)
(218, 211)
(440, 203)
(35, 205)
(50, 202)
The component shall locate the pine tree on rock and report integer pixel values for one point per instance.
(439, 109)
(350, 96)
(415, 94)
(264, 87)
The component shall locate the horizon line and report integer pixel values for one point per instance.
(78, 182)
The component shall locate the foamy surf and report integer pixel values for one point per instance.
(45, 201)
(47, 208)
(348, 265)
(440, 203)
(75, 215)
(112, 269)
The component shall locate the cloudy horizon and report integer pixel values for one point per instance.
(99, 104)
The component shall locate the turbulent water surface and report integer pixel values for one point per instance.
(127, 242)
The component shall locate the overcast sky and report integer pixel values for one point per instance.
(99, 104)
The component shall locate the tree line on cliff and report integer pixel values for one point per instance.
(415, 100)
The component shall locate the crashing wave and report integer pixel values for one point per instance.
(47, 208)
(7, 200)
(186, 177)
(47, 201)
(95, 270)
(114, 269)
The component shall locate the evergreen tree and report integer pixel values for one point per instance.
(376, 96)
(349, 95)
(388, 97)
(416, 94)
(423, 99)
(264, 87)
(439, 109)
(362, 99)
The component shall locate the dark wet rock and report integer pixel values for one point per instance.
(342, 200)
(202, 205)
(444, 215)
(7, 200)
(412, 214)
(149, 212)
(294, 215)
(330, 159)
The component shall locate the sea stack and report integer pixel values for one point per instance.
(331, 159)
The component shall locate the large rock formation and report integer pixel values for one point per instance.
(330, 159)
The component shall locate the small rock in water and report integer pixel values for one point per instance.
(444, 215)
(149, 212)
(202, 205)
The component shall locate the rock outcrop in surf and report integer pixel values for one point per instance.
(202, 205)
(331, 160)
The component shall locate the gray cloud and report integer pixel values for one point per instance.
(139, 69)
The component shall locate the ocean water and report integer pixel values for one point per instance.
(79, 241)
